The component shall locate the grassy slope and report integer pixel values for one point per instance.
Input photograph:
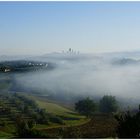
(54, 108)
(71, 118)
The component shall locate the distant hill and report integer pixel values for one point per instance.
(125, 61)
(126, 54)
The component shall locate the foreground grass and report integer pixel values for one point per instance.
(6, 135)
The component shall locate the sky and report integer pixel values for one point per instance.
(89, 27)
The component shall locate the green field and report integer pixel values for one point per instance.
(55, 108)
(70, 117)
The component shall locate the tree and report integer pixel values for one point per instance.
(108, 104)
(24, 129)
(85, 107)
(128, 125)
(23, 126)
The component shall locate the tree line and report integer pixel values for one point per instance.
(87, 107)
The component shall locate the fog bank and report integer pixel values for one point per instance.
(86, 75)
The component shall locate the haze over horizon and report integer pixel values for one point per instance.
(89, 27)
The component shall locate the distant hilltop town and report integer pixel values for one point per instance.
(70, 51)
(24, 66)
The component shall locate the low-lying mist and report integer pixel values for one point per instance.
(82, 76)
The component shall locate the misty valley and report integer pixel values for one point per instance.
(67, 95)
(69, 69)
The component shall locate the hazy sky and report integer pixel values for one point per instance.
(42, 27)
